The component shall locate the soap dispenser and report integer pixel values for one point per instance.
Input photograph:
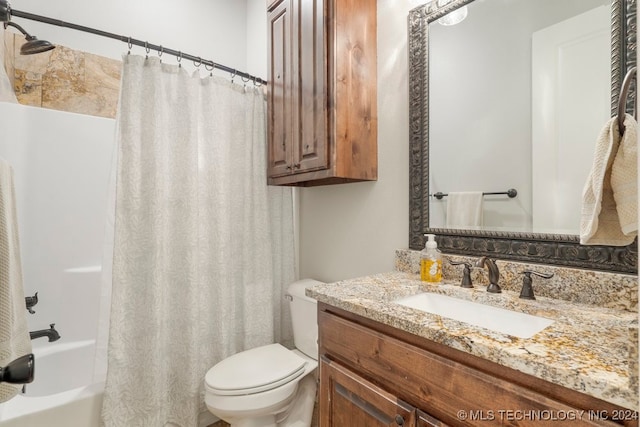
(431, 261)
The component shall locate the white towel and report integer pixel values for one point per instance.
(14, 332)
(610, 196)
(464, 209)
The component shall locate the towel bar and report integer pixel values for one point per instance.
(622, 101)
(512, 192)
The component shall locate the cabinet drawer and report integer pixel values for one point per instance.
(437, 385)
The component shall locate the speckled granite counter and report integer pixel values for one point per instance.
(589, 349)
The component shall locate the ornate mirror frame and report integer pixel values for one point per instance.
(556, 249)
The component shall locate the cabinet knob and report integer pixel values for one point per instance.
(288, 167)
(399, 420)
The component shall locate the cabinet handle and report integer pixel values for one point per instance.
(399, 420)
(296, 165)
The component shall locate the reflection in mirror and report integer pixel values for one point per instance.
(514, 96)
(518, 93)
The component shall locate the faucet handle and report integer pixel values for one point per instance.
(527, 289)
(30, 302)
(466, 273)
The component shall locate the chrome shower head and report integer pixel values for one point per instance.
(32, 45)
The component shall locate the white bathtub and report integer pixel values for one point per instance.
(62, 393)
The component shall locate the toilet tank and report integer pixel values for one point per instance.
(304, 317)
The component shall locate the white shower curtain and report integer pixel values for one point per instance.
(202, 247)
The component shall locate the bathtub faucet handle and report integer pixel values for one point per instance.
(30, 302)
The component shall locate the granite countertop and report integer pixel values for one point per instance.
(589, 349)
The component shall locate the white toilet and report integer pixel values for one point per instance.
(270, 386)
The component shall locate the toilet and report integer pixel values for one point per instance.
(270, 386)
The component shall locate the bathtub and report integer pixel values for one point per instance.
(63, 393)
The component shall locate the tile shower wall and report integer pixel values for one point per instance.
(63, 79)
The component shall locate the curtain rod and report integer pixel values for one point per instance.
(131, 41)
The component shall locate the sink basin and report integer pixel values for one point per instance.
(496, 319)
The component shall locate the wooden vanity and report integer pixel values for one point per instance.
(382, 372)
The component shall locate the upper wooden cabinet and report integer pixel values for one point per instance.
(322, 100)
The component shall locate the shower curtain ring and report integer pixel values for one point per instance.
(199, 63)
(129, 44)
(179, 59)
(160, 51)
(146, 48)
(233, 75)
(210, 70)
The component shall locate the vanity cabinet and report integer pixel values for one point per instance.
(321, 92)
(353, 401)
(371, 373)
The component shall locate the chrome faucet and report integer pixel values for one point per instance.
(51, 333)
(494, 274)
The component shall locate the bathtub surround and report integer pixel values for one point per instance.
(196, 242)
(61, 163)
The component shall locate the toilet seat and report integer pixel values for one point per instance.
(253, 371)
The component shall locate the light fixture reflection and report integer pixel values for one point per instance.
(453, 17)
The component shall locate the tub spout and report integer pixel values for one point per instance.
(51, 333)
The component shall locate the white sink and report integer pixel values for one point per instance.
(496, 319)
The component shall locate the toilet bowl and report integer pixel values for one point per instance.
(270, 385)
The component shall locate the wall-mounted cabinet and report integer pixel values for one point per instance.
(321, 99)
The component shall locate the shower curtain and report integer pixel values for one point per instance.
(202, 246)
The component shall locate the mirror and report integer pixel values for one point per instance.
(483, 87)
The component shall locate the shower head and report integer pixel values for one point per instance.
(32, 45)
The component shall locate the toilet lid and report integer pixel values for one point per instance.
(256, 370)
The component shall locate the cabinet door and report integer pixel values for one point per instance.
(279, 113)
(310, 146)
(348, 400)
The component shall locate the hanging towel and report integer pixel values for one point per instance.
(464, 209)
(14, 333)
(610, 196)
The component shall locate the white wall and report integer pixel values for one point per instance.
(257, 44)
(213, 29)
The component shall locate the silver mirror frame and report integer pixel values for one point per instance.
(555, 249)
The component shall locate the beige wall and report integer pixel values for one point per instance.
(349, 230)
